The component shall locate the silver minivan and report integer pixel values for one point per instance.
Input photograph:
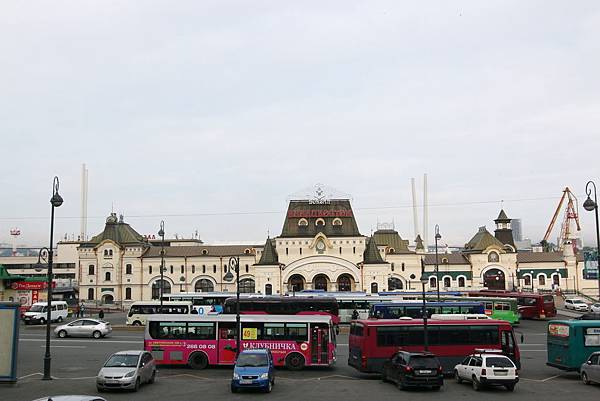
(126, 370)
(590, 369)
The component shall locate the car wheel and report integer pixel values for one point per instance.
(476, 384)
(137, 384)
(294, 361)
(153, 377)
(273, 382)
(510, 387)
(96, 334)
(457, 377)
(42, 321)
(401, 385)
(584, 378)
(198, 361)
(384, 377)
(269, 388)
(436, 388)
(62, 333)
(234, 389)
(99, 389)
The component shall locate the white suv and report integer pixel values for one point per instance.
(576, 304)
(487, 369)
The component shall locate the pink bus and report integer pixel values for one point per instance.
(295, 341)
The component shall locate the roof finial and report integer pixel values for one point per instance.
(268, 233)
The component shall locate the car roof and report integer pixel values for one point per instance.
(70, 398)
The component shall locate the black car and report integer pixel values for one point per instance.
(589, 316)
(413, 369)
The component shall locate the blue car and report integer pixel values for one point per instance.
(253, 369)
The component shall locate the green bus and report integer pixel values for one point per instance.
(497, 308)
(570, 342)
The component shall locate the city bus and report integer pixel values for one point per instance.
(140, 310)
(284, 305)
(570, 342)
(530, 305)
(496, 308)
(202, 302)
(414, 309)
(373, 341)
(295, 341)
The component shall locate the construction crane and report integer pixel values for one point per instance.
(570, 214)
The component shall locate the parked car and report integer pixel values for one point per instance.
(126, 370)
(71, 398)
(413, 369)
(38, 313)
(576, 304)
(595, 307)
(84, 328)
(487, 369)
(590, 369)
(589, 316)
(253, 369)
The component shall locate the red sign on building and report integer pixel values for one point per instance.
(31, 285)
(319, 213)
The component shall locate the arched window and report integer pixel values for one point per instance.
(204, 285)
(493, 257)
(527, 279)
(447, 282)
(110, 252)
(107, 276)
(461, 282)
(268, 289)
(156, 288)
(432, 282)
(337, 222)
(128, 269)
(303, 222)
(127, 293)
(395, 283)
(296, 283)
(542, 279)
(106, 253)
(91, 270)
(247, 285)
(320, 223)
(344, 283)
(374, 289)
(90, 294)
(320, 282)
(555, 279)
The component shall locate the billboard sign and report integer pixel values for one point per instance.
(590, 267)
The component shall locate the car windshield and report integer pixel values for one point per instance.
(122, 361)
(252, 360)
(37, 308)
(424, 362)
(578, 301)
(496, 362)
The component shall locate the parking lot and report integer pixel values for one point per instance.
(76, 361)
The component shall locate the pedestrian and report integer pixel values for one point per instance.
(354, 314)
(82, 309)
(101, 314)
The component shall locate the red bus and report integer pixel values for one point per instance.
(197, 341)
(371, 342)
(530, 305)
(280, 305)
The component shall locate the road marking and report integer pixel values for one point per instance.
(65, 346)
(57, 378)
(541, 380)
(185, 375)
(31, 374)
(91, 341)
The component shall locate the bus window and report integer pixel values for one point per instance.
(273, 331)
(201, 331)
(297, 331)
(227, 331)
(592, 337)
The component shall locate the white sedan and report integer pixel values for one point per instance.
(595, 307)
(576, 304)
(84, 328)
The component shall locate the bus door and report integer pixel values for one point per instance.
(319, 344)
(226, 343)
(509, 347)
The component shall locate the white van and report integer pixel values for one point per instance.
(460, 316)
(38, 312)
(139, 311)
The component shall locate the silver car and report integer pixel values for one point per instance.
(84, 328)
(71, 398)
(127, 370)
(590, 369)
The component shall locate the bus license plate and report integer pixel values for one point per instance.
(245, 381)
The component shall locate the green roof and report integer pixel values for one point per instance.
(5, 275)
(392, 240)
(371, 255)
(482, 240)
(502, 217)
(305, 219)
(269, 255)
(117, 231)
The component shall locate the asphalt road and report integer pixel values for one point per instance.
(75, 362)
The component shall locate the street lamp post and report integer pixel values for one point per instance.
(532, 289)
(161, 233)
(234, 264)
(437, 267)
(590, 205)
(55, 201)
(424, 281)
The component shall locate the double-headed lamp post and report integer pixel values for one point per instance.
(234, 264)
(424, 280)
(590, 205)
(161, 234)
(437, 266)
(56, 200)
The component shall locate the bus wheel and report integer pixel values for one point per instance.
(198, 361)
(584, 378)
(294, 361)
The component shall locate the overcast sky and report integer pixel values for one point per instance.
(217, 111)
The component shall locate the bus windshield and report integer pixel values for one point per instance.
(37, 308)
(253, 360)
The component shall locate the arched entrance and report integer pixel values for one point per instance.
(107, 299)
(296, 283)
(395, 283)
(494, 279)
(321, 282)
(345, 282)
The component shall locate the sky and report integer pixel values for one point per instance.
(209, 115)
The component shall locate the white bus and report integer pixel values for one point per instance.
(203, 303)
(139, 311)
